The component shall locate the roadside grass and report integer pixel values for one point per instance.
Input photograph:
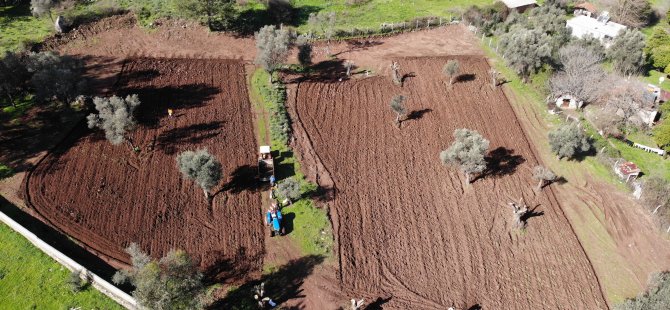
(311, 227)
(29, 279)
(18, 26)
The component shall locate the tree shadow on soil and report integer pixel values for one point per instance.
(323, 194)
(281, 285)
(156, 100)
(501, 162)
(327, 71)
(283, 170)
(531, 214)
(227, 269)
(378, 304)
(358, 45)
(465, 78)
(418, 114)
(193, 134)
(242, 179)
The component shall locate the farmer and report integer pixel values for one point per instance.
(272, 180)
(170, 112)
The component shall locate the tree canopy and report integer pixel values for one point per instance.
(467, 152)
(273, 47)
(568, 141)
(54, 76)
(173, 282)
(627, 52)
(201, 167)
(657, 295)
(115, 117)
(581, 74)
(216, 14)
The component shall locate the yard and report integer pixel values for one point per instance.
(32, 280)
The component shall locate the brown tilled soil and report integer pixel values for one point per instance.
(106, 196)
(407, 227)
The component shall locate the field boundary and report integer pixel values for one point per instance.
(99, 283)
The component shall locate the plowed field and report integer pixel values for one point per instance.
(407, 227)
(107, 196)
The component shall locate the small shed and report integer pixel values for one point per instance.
(520, 5)
(569, 102)
(626, 170)
(585, 8)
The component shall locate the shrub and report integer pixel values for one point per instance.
(290, 188)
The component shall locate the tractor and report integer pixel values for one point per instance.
(273, 219)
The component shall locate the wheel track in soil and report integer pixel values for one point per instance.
(494, 260)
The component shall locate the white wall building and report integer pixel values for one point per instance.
(600, 28)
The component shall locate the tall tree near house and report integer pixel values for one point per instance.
(467, 152)
(627, 52)
(662, 134)
(115, 117)
(173, 282)
(658, 49)
(398, 106)
(201, 167)
(451, 70)
(568, 141)
(544, 176)
(272, 48)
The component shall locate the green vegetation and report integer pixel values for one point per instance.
(311, 227)
(652, 77)
(19, 26)
(649, 163)
(5, 171)
(29, 279)
(657, 295)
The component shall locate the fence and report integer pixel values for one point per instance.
(99, 283)
(649, 149)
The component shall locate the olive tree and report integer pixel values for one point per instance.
(304, 50)
(55, 77)
(467, 152)
(272, 48)
(115, 117)
(627, 53)
(525, 50)
(201, 167)
(13, 75)
(568, 141)
(217, 14)
(544, 175)
(398, 106)
(173, 282)
(289, 188)
(451, 70)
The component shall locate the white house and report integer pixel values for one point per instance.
(520, 5)
(626, 170)
(600, 28)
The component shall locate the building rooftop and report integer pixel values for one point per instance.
(628, 168)
(592, 25)
(586, 6)
(518, 3)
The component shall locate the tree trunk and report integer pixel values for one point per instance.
(451, 80)
(130, 142)
(206, 194)
(467, 178)
(539, 185)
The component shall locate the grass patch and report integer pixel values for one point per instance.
(20, 107)
(19, 26)
(311, 226)
(5, 171)
(29, 279)
(649, 163)
(652, 78)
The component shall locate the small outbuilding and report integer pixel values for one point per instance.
(626, 170)
(520, 5)
(569, 102)
(585, 8)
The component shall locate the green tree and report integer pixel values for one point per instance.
(662, 134)
(115, 117)
(544, 176)
(173, 282)
(272, 48)
(627, 52)
(216, 14)
(201, 167)
(55, 77)
(568, 141)
(467, 152)
(451, 70)
(13, 75)
(42, 7)
(289, 188)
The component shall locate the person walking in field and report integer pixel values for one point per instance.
(272, 180)
(170, 112)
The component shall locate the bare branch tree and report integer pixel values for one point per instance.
(519, 211)
(581, 75)
(633, 13)
(395, 73)
(357, 304)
